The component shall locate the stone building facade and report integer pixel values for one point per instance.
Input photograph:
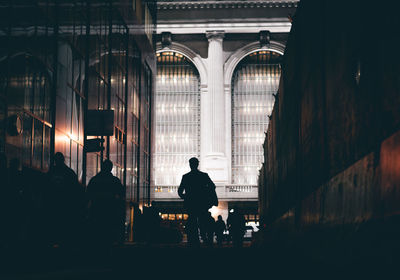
(235, 48)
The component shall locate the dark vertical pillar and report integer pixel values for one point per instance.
(109, 71)
(4, 98)
(149, 90)
(125, 139)
(86, 93)
(139, 89)
(54, 85)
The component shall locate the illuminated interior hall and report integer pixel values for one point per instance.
(218, 72)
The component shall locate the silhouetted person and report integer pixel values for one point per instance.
(106, 204)
(237, 227)
(220, 227)
(195, 189)
(137, 227)
(209, 229)
(151, 222)
(65, 203)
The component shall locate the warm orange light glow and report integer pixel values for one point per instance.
(72, 136)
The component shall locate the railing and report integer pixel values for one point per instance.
(241, 192)
(223, 192)
(240, 188)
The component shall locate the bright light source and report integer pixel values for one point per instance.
(215, 211)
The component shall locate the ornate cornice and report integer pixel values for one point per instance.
(163, 5)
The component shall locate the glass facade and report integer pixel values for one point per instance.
(26, 86)
(59, 59)
(255, 80)
(177, 113)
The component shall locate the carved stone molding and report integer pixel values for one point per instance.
(226, 4)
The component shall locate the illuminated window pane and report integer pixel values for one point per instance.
(254, 81)
(177, 117)
(171, 217)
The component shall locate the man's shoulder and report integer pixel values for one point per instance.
(96, 177)
(117, 180)
(203, 174)
(70, 171)
(195, 174)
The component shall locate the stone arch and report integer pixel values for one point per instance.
(236, 57)
(191, 55)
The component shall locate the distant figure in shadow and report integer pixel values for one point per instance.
(209, 229)
(137, 227)
(220, 227)
(198, 192)
(151, 225)
(106, 204)
(65, 203)
(237, 227)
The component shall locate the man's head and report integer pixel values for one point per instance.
(194, 163)
(107, 166)
(59, 159)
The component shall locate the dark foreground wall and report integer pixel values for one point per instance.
(332, 151)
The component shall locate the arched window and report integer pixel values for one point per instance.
(254, 81)
(177, 112)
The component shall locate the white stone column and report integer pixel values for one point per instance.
(216, 92)
(228, 129)
(215, 160)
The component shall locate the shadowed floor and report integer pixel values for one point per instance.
(181, 262)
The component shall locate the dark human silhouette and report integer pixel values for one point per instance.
(151, 223)
(220, 227)
(198, 192)
(137, 226)
(65, 203)
(154, 231)
(208, 230)
(106, 207)
(237, 226)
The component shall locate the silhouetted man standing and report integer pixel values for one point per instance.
(220, 227)
(237, 227)
(106, 203)
(198, 192)
(65, 203)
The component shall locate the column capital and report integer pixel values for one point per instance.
(215, 35)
